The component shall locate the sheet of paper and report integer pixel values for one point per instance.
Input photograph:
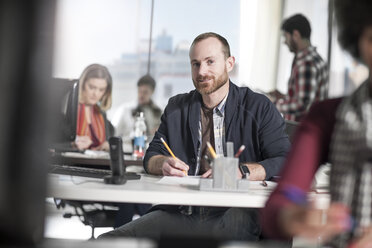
(97, 154)
(87, 154)
(195, 181)
(188, 181)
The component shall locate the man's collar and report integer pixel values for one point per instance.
(305, 52)
(220, 108)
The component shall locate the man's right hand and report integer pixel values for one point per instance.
(174, 167)
(167, 166)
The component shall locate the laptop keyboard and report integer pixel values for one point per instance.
(79, 171)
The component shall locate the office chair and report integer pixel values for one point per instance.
(93, 214)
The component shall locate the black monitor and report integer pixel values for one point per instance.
(26, 48)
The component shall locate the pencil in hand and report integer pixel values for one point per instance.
(166, 146)
(170, 151)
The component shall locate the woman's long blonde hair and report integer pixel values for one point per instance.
(97, 71)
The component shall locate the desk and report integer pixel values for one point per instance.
(147, 243)
(148, 190)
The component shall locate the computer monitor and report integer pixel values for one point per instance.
(26, 48)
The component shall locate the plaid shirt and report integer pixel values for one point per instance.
(218, 129)
(308, 84)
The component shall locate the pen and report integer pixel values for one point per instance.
(295, 195)
(241, 149)
(170, 151)
(211, 150)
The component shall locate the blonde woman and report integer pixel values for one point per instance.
(93, 128)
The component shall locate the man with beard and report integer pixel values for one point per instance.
(308, 82)
(218, 111)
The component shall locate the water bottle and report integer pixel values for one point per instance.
(139, 136)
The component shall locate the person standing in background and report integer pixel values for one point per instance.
(308, 82)
(93, 128)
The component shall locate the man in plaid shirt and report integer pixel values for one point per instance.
(308, 82)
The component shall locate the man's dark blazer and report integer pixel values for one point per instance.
(250, 119)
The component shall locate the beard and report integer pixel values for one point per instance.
(292, 46)
(207, 88)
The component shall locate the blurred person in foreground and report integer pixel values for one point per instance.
(338, 131)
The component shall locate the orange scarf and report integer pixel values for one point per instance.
(96, 130)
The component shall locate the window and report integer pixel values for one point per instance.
(115, 33)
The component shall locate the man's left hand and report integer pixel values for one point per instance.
(256, 172)
(207, 174)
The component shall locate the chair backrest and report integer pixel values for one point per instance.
(65, 93)
(290, 128)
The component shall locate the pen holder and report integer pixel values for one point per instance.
(225, 173)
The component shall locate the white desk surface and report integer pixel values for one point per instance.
(143, 243)
(147, 190)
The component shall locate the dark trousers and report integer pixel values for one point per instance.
(217, 223)
(127, 210)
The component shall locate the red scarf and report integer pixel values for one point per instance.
(96, 129)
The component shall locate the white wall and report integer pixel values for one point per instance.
(259, 40)
(344, 68)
